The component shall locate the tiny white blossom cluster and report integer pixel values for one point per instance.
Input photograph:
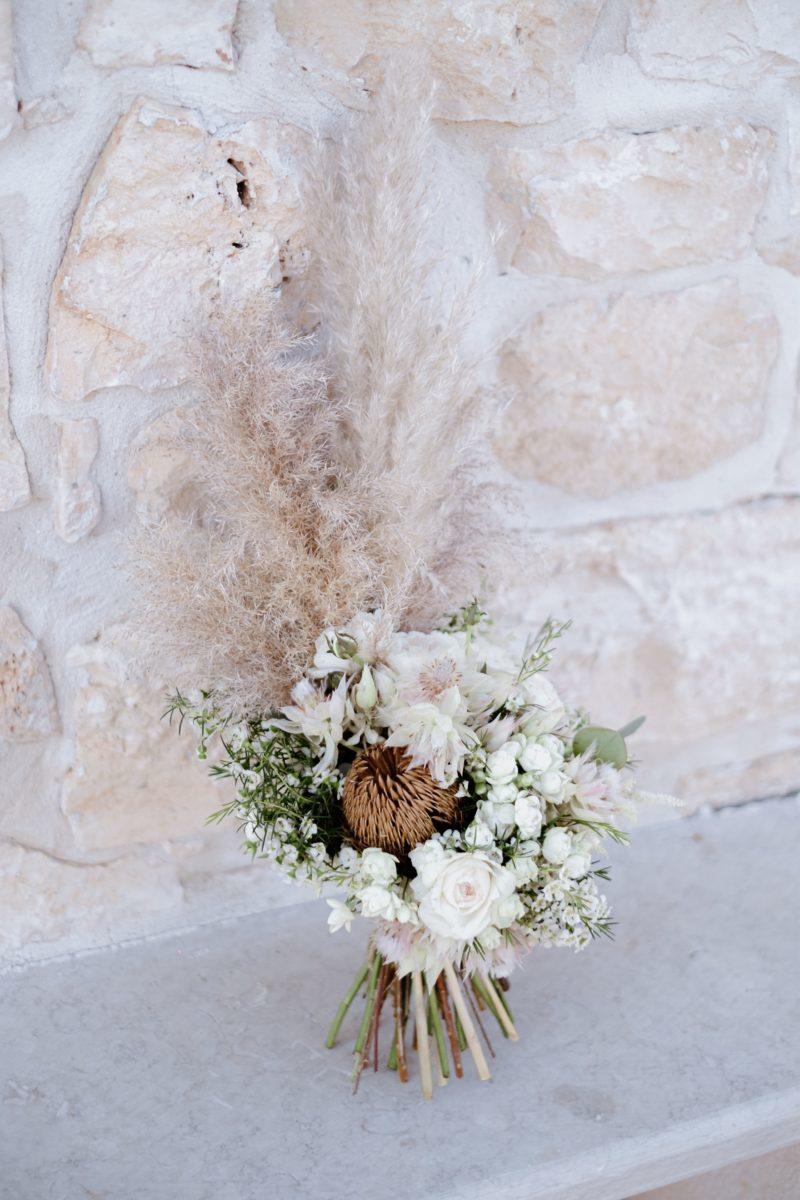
(538, 787)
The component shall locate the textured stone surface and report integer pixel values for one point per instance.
(77, 496)
(769, 1177)
(189, 222)
(14, 486)
(689, 619)
(8, 96)
(132, 778)
(619, 203)
(194, 1067)
(27, 702)
(731, 42)
(194, 33)
(159, 474)
(634, 390)
(501, 60)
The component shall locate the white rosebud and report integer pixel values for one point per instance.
(528, 816)
(378, 866)
(490, 938)
(556, 846)
(524, 868)
(576, 866)
(501, 765)
(506, 793)
(478, 835)
(535, 757)
(551, 784)
(366, 692)
(506, 911)
(499, 817)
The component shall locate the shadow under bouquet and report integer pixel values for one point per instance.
(418, 764)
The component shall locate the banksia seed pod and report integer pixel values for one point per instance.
(392, 805)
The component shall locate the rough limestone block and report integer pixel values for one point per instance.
(160, 475)
(173, 224)
(77, 496)
(498, 60)
(193, 33)
(618, 203)
(15, 488)
(132, 778)
(27, 702)
(8, 95)
(734, 43)
(690, 619)
(632, 390)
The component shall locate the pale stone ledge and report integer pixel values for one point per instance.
(634, 390)
(512, 62)
(729, 42)
(621, 203)
(194, 1066)
(174, 222)
(77, 496)
(8, 95)
(193, 33)
(15, 489)
(27, 702)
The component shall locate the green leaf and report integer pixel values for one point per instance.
(632, 726)
(609, 745)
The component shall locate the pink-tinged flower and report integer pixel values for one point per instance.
(596, 791)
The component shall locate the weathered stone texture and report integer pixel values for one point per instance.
(691, 619)
(734, 43)
(190, 222)
(132, 779)
(160, 475)
(633, 390)
(503, 60)
(27, 702)
(621, 203)
(8, 96)
(194, 33)
(77, 496)
(15, 489)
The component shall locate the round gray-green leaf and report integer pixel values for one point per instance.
(609, 745)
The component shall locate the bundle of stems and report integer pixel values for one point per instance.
(446, 1011)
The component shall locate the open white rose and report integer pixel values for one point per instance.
(457, 892)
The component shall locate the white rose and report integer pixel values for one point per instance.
(490, 938)
(499, 817)
(506, 793)
(501, 765)
(524, 868)
(426, 860)
(457, 895)
(550, 784)
(535, 757)
(576, 866)
(378, 866)
(556, 846)
(478, 835)
(528, 816)
(377, 902)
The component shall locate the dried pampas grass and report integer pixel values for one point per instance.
(336, 477)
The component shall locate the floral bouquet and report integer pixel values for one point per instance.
(415, 762)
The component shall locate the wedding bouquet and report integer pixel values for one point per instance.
(415, 762)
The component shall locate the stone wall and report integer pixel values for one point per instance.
(642, 161)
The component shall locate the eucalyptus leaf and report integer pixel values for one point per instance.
(632, 726)
(609, 744)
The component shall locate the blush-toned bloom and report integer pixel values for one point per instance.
(436, 736)
(459, 893)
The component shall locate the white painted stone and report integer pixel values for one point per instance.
(27, 702)
(133, 779)
(734, 43)
(15, 489)
(499, 60)
(77, 496)
(633, 390)
(159, 474)
(173, 223)
(193, 33)
(8, 94)
(618, 203)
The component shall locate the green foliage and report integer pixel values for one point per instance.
(539, 649)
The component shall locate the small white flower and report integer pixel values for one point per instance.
(376, 901)
(551, 784)
(505, 793)
(527, 815)
(535, 757)
(501, 765)
(478, 835)
(556, 846)
(347, 859)
(575, 866)
(498, 816)
(378, 866)
(524, 868)
(506, 911)
(491, 938)
(366, 692)
(340, 916)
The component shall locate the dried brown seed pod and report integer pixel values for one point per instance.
(392, 805)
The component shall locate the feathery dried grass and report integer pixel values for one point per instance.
(333, 482)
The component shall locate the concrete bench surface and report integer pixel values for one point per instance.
(193, 1067)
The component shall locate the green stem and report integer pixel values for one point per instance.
(438, 1033)
(478, 985)
(333, 1032)
(462, 1037)
(370, 1003)
(501, 993)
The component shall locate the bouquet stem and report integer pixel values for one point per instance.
(446, 1010)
